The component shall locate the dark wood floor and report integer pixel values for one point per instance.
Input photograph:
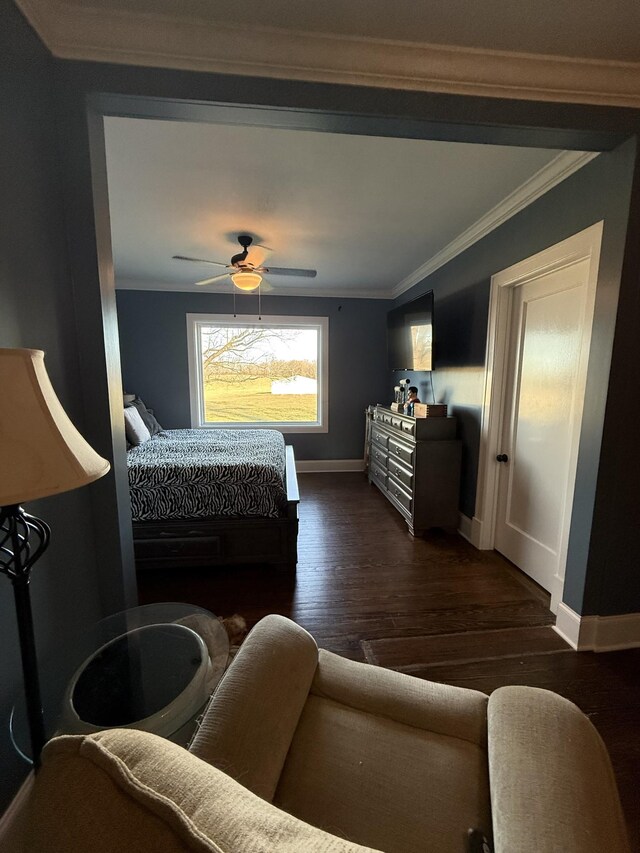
(436, 608)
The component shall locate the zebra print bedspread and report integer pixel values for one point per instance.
(195, 473)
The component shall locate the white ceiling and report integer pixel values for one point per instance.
(366, 212)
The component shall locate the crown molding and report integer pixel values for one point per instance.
(83, 33)
(556, 171)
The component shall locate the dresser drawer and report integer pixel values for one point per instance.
(404, 475)
(378, 455)
(379, 475)
(404, 452)
(398, 493)
(379, 437)
(169, 547)
(408, 427)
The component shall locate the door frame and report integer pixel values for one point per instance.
(585, 245)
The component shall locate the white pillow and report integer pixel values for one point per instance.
(134, 427)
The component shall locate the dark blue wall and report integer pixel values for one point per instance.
(599, 191)
(36, 310)
(153, 342)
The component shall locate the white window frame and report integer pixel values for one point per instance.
(196, 385)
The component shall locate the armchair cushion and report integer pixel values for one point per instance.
(128, 790)
(384, 756)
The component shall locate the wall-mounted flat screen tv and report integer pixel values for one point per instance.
(410, 335)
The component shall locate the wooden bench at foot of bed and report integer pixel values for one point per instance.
(220, 541)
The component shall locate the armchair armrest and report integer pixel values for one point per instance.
(249, 723)
(551, 780)
(121, 790)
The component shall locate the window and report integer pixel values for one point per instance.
(271, 372)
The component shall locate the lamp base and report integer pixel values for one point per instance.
(23, 539)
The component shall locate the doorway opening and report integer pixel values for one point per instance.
(102, 106)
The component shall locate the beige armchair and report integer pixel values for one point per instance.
(331, 755)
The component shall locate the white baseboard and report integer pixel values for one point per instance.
(469, 529)
(557, 588)
(464, 526)
(568, 625)
(598, 633)
(482, 534)
(318, 466)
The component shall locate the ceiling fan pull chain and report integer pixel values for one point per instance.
(234, 302)
(259, 302)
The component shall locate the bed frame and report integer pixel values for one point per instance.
(218, 541)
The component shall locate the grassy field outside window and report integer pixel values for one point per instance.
(253, 401)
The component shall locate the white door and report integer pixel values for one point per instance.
(538, 434)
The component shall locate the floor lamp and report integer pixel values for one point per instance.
(41, 454)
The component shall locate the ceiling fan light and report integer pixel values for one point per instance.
(246, 279)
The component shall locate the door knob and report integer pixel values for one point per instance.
(502, 457)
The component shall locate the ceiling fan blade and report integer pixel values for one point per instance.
(284, 271)
(257, 254)
(215, 278)
(265, 287)
(198, 260)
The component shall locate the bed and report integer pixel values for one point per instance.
(202, 497)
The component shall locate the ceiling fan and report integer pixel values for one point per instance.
(245, 269)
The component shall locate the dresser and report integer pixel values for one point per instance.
(415, 462)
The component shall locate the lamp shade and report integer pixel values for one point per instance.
(41, 452)
(246, 279)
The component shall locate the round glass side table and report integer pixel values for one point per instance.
(151, 667)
